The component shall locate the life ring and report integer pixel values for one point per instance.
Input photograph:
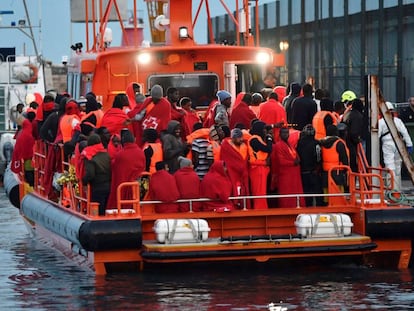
(33, 78)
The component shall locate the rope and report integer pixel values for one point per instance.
(396, 197)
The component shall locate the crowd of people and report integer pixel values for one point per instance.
(283, 140)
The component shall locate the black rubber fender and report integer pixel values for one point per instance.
(390, 223)
(11, 187)
(95, 235)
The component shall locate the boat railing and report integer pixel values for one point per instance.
(367, 194)
(367, 189)
(361, 189)
(364, 167)
(131, 203)
(150, 203)
(39, 157)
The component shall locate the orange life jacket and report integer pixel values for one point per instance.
(259, 157)
(318, 123)
(216, 148)
(66, 126)
(242, 149)
(98, 115)
(156, 156)
(330, 157)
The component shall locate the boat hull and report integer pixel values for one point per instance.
(96, 242)
(101, 243)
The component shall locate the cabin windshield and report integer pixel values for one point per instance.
(249, 78)
(201, 88)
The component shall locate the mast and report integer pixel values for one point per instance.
(31, 36)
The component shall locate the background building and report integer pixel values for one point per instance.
(338, 42)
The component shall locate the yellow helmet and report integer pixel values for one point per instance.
(348, 96)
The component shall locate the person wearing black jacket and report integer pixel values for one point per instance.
(97, 171)
(354, 119)
(309, 151)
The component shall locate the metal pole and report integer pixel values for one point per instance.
(372, 105)
(31, 29)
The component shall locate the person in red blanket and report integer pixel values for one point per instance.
(216, 185)
(234, 153)
(173, 95)
(162, 187)
(288, 173)
(260, 148)
(190, 116)
(154, 113)
(188, 185)
(242, 114)
(133, 89)
(115, 119)
(23, 152)
(272, 112)
(127, 165)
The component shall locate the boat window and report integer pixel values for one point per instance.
(70, 85)
(201, 88)
(249, 78)
(78, 85)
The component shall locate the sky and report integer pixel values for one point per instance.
(54, 33)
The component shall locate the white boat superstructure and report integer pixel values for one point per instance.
(19, 76)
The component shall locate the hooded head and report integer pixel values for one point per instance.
(236, 133)
(49, 103)
(218, 167)
(156, 92)
(131, 90)
(127, 137)
(91, 103)
(223, 95)
(184, 162)
(295, 88)
(257, 98)
(94, 139)
(172, 126)
(308, 130)
(280, 91)
(71, 107)
(258, 128)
